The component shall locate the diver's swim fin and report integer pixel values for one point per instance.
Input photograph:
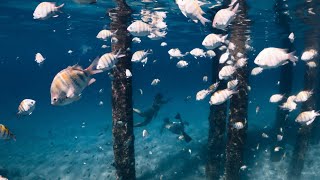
(187, 138)
(178, 116)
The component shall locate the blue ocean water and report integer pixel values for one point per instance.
(75, 141)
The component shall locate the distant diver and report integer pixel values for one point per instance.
(152, 112)
(176, 128)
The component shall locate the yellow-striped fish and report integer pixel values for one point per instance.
(26, 107)
(5, 133)
(69, 83)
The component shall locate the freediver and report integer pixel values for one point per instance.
(176, 128)
(152, 112)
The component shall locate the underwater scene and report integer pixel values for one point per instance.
(159, 89)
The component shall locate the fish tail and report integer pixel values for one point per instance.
(235, 9)
(91, 69)
(59, 7)
(224, 39)
(118, 55)
(292, 58)
(203, 20)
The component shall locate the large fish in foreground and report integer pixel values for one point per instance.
(69, 83)
(192, 9)
(274, 57)
(45, 10)
(5, 133)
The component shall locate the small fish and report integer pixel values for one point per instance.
(101, 103)
(26, 107)
(139, 28)
(141, 92)
(210, 53)
(224, 57)
(70, 51)
(39, 58)
(128, 73)
(205, 78)
(221, 96)
(291, 37)
(226, 72)
(213, 41)
(141, 56)
(257, 109)
(238, 125)
(289, 105)
(6, 134)
(155, 82)
(277, 149)
(303, 96)
(108, 61)
(224, 17)
(105, 34)
(197, 52)
(279, 137)
(274, 57)
(176, 53)
(291, 98)
(163, 44)
(311, 64)
(201, 95)
(182, 64)
(244, 167)
(231, 46)
(309, 55)
(241, 62)
(136, 40)
(145, 133)
(276, 98)
(307, 117)
(264, 135)
(232, 84)
(104, 46)
(192, 10)
(69, 83)
(45, 10)
(3, 178)
(156, 35)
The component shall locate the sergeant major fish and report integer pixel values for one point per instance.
(26, 107)
(224, 17)
(274, 57)
(45, 9)
(6, 134)
(108, 61)
(69, 83)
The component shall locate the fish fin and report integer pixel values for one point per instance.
(284, 63)
(235, 9)
(224, 38)
(76, 67)
(118, 55)
(114, 32)
(292, 58)
(92, 80)
(203, 20)
(137, 111)
(59, 7)
(91, 69)
(70, 92)
(187, 138)
(309, 122)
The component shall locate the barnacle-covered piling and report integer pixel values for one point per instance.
(311, 82)
(282, 116)
(239, 102)
(217, 129)
(122, 113)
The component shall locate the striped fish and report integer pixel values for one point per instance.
(221, 96)
(224, 17)
(139, 28)
(69, 83)
(192, 9)
(26, 107)
(108, 61)
(141, 56)
(5, 133)
(105, 34)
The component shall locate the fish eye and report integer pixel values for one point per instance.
(55, 99)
